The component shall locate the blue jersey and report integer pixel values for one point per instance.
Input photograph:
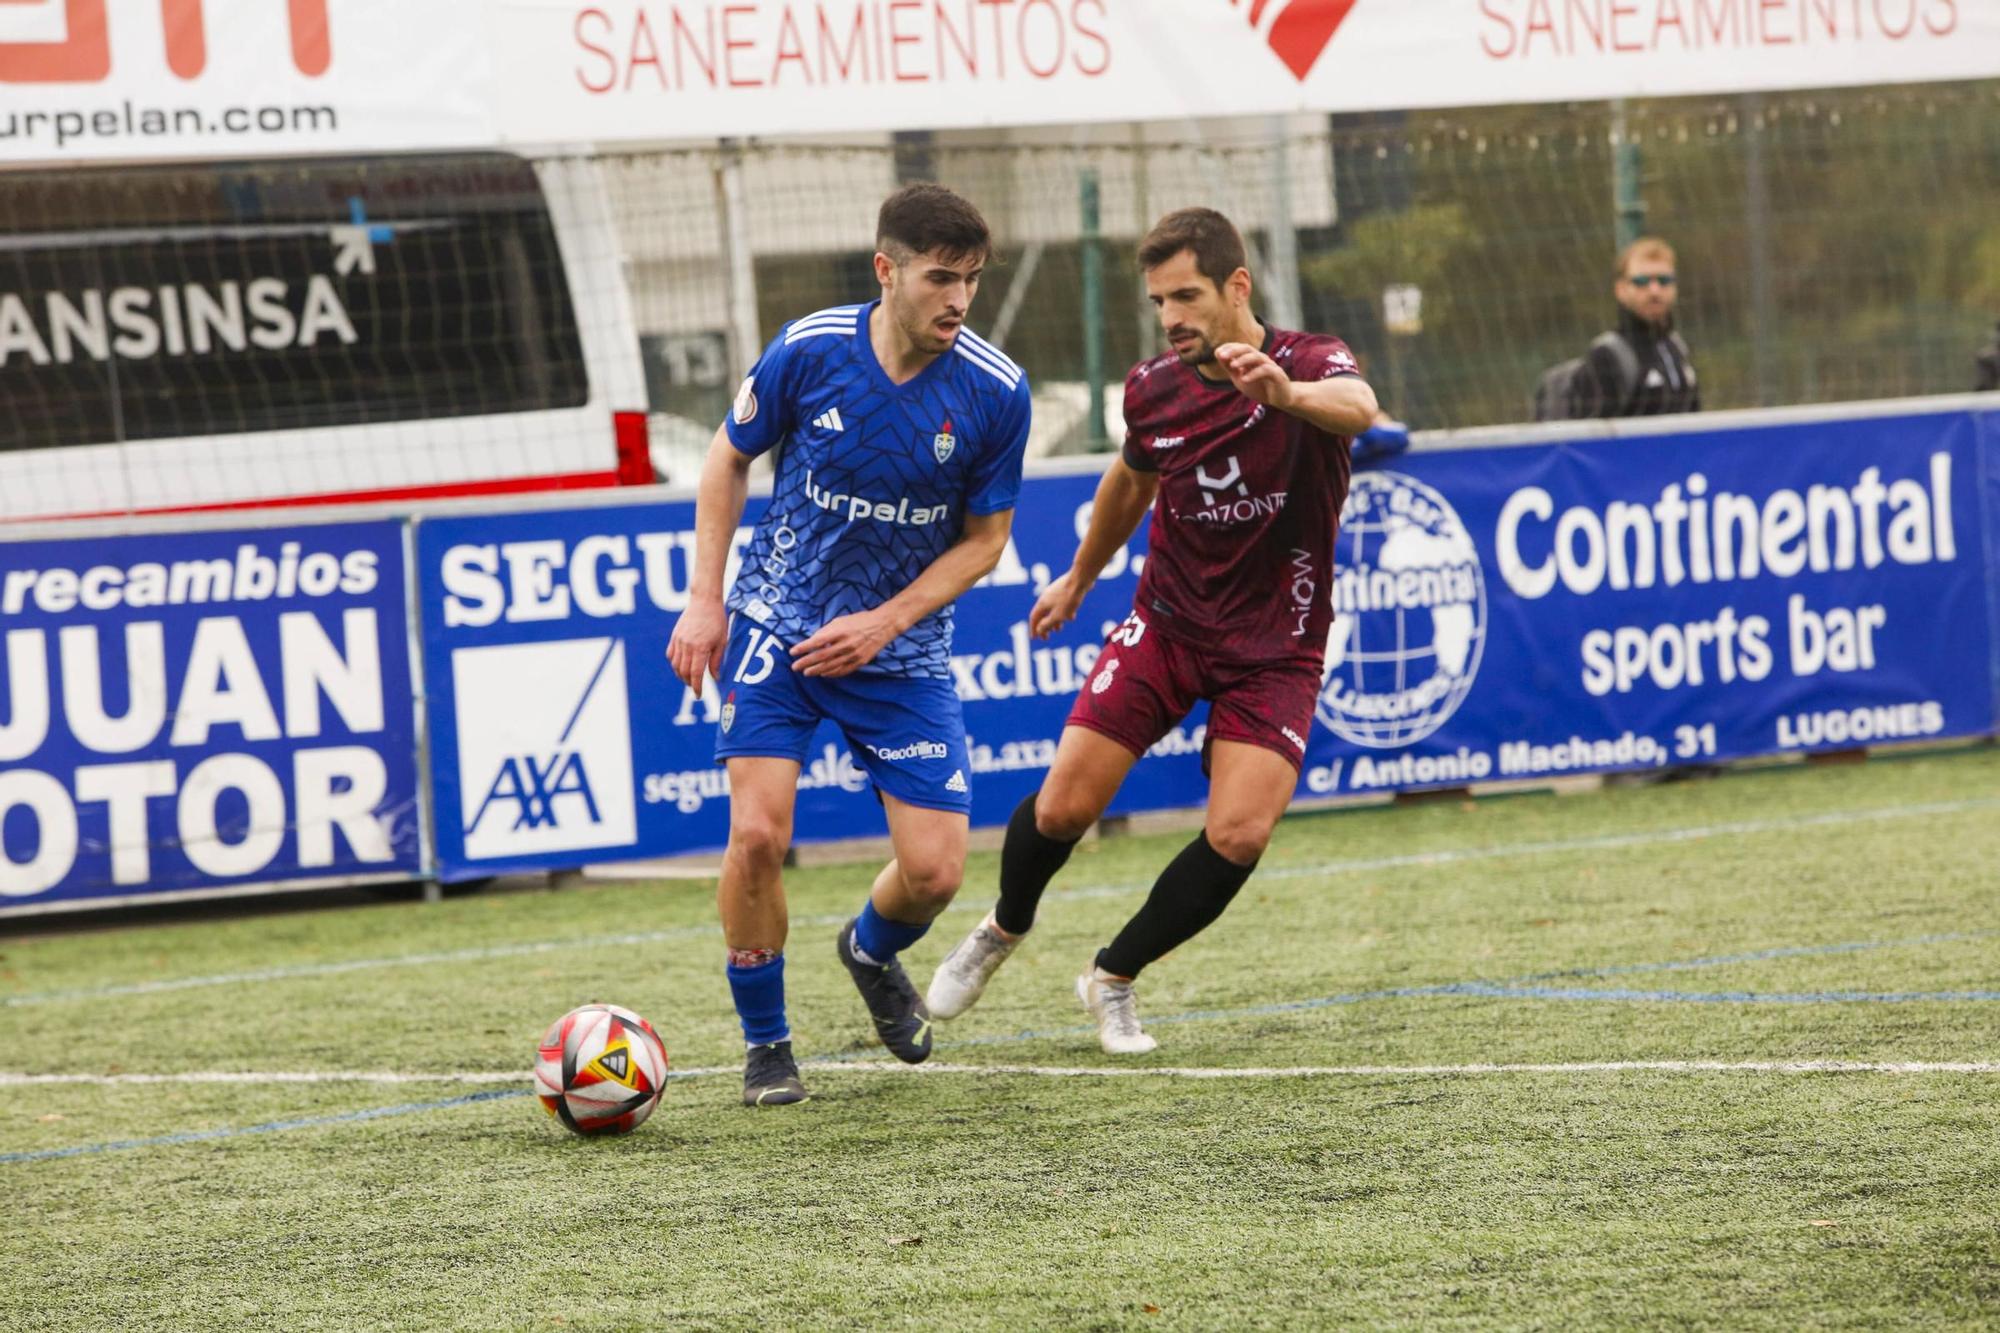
(874, 479)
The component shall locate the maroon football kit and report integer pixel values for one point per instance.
(1235, 599)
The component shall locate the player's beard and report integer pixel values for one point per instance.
(924, 335)
(1196, 350)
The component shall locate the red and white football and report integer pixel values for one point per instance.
(600, 1069)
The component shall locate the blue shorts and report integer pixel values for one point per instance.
(907, 731)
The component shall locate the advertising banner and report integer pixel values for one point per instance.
(99, 79)
(560, 736)
(193, 711)
(1523, 613)
(83, 79)
(608, 70)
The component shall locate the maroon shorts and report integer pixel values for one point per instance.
(1145, 683)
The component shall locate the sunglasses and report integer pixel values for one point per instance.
(1648, 279)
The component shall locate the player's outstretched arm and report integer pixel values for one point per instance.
(695, 651)
(1123, 497)
(847, 643)
(1344, 405)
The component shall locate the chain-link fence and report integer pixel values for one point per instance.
(1832, 246)
(243, 329)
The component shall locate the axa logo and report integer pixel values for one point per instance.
(1298, 31)
(544, 747)
(72, 41)
(531, 785)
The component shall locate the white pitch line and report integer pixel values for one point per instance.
(1426, 1071)
(1064, 1071)
(247, 1076)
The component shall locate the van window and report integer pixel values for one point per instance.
(143, 303)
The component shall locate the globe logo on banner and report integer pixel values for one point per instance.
(1409, 614)
(544, 747)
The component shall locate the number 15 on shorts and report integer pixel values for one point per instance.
(759, 659)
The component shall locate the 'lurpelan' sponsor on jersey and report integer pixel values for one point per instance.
(899, 511)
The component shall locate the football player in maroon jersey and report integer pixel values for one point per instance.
(1237, 440)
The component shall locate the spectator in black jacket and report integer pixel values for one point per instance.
(1642, 368)
(1987, 359)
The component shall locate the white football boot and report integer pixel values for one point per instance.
(1110, 1002)
(961, 978)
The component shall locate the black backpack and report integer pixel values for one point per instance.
(1559, 391)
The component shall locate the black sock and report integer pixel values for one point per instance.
(1028, 861)
(1186, 899)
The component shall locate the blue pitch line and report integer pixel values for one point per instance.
(1723, 997)
(270, 1127)
(1329, 869)
(1759, 956)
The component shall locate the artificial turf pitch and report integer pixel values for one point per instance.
(1764, 920)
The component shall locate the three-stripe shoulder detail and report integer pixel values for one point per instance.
(840, 319)
(987, 357)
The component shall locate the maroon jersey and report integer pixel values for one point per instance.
(1241, 557)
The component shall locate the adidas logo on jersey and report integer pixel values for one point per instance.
(830, 420)
(957, 782)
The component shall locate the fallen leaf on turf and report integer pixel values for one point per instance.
(906, 1240)
(1822, 1222)
(1150, 1309)
(49, 1119)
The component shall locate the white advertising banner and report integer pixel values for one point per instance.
(97, 79)
(674, 69)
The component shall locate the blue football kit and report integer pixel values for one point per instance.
(874, 481)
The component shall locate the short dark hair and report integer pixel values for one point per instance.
(924, 218)
(1646, 247)
(1217, 245)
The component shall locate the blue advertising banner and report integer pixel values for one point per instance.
(190, 711)
(1519, 613)
(1511, 613)
(560, 735)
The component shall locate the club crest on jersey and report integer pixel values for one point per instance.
(729, 712)
(944, 442)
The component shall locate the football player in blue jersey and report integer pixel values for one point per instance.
(899, 436)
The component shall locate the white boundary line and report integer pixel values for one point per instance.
(1840, 819)
(521, 1078)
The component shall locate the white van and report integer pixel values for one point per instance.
(231, 334)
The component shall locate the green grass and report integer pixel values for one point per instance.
(1575, 1199)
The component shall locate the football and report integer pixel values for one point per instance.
(600, 1069)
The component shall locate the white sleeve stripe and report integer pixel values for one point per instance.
(821, 331)
(1010, 378)
(823, 321)
(991, 350)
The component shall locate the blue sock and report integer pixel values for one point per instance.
(882, 939)
(760, 1001)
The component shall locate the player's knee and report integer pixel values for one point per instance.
(932, 881)
(760, 839)
(1062, 817)
(1240, 840)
